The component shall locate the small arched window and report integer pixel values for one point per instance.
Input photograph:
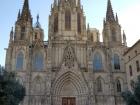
(22, 33)
(99, 85)
(118, 84)
(97, 62)
(56, 22)
(67, 20)
(19, 61)
(38, 61)
(116, 62)
(113, 35)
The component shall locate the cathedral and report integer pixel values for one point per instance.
(74, 67)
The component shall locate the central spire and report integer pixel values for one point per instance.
(109, 13)
(26, 15)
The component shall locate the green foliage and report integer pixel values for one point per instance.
(132, 97)
(11, 91)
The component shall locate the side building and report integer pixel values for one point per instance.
(132, 62)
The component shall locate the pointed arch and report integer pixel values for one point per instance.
(68, 20)
(38, 61)
(19, 61)
(97, 62)
(116, 62)
(99, 84)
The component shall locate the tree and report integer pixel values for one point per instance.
(132, 97)
(11, 91)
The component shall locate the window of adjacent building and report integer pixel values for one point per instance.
(79, 22)
(38, 61)
(22, 32)
(99, 85)
(56, 22)
(19, 61)
(137, 66)
(116, 62)
(67, 20)
(130, 70)
(97, 62)
(132, 84)
(118, 86)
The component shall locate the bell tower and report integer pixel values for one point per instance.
(67, 21)
(111, 28)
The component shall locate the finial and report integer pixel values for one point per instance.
(124, 38)
(37, 25)
(37, 17)
(19, 14)
(11, 34)
(117, 20)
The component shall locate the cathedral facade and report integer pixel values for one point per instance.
(73, 67)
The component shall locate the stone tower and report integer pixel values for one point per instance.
(111, 28)
(73, 67)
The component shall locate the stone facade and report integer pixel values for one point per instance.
(132, 61)
(73, 67)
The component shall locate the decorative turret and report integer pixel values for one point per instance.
(38, 31)
(111, 28)
(23, 28)
(124, 39)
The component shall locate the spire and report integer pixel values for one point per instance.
(26, 15)
(37, 25)
(79, 3)
(109, 13)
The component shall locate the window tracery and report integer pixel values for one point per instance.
(69, 58)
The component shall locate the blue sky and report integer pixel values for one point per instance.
(128, 13)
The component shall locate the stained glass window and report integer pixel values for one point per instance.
(97, 62)
(38, 61)
(19, 61)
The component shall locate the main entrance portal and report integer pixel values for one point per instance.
(68, 101)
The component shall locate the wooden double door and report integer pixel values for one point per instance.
(68, 101)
